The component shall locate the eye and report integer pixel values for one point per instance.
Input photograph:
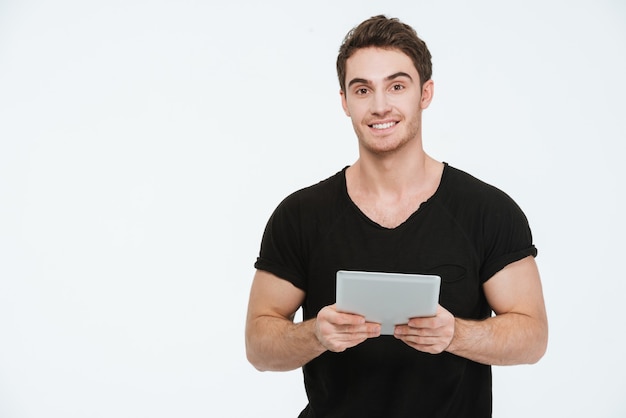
(397, 87)
(361, 91)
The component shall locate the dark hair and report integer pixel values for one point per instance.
(388, 33)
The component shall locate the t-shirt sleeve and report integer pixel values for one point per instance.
(507, 236)
(281, 246)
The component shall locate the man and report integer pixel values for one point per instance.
(395, 209)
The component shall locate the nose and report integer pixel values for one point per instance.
(379, 104)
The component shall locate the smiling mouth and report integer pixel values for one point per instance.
(382, 125)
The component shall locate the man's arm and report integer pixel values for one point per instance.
(274, 342)
(518, 334)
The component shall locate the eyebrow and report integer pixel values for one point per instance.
(388, 78)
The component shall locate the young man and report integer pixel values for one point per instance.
(395, 209)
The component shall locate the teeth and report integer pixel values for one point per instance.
(383, 125)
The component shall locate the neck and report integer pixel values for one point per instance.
(395, 174)
(388, 191)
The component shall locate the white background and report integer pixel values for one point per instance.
(144, 144)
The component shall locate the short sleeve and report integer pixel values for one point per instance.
(281, 246)
(507, 236)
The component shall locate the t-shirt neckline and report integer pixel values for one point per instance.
(412, 216)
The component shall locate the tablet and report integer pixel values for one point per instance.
(387, 298)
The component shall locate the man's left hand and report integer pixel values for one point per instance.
(431, 334)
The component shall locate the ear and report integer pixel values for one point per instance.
(344, 103)
(428, 90)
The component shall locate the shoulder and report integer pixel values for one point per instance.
(316, 196)
(478, 205)
(293, 226)
(462, 188)
(461, 181)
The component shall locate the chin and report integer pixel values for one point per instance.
(384, 148)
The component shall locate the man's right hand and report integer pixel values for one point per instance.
(338, 331)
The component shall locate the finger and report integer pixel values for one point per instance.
(432, 345)
(412, 330)
(441, 318)
(331, 314)
(367, 328)
(340, 341)
(338, 337)
(422, 341)
(426, 348)
(349, 319)
(428, 340)
(424, 323)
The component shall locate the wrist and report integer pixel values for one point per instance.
(314, 331)
(457, 332)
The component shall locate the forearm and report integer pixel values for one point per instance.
(506, 339)
(276, 344)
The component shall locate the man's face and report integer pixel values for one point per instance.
(384, 99)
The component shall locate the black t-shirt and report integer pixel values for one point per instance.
(465, 233)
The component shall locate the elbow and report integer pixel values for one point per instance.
(256, 362)
(537, 355)
(262, 359)
(540, 347)
(253, 357)
(257, 365)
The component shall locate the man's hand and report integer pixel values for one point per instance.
(431, 335)
(338, 331)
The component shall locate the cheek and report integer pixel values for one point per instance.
(357, 110)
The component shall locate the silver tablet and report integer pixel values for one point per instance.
(387, 298)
